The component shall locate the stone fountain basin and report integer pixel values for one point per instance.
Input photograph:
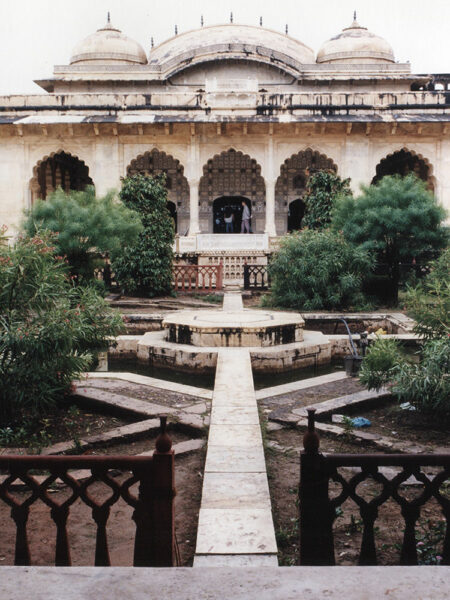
(243, 328)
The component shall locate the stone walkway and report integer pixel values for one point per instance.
(235, 521)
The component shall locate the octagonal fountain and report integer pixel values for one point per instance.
(243, 328)
(191, 339)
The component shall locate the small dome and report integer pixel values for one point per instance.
(356, 44)
(108, 45)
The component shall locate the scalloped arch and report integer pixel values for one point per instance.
(36, 188)
(155, 150)
(430, 178)
(156, 161)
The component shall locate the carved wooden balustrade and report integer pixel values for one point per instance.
(318, 508)
(153, 505)
(198, 278)
(256, 277)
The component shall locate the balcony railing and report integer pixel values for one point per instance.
(318, 510)
(153, 504)
(198, 278)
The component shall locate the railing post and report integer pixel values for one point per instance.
(155, 517)
(316, 514)
(246, 277)
(219, 281)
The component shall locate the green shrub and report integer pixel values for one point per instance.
(425, 385)
(323, 189)
(316, 270)
(88, 228)
(49, 329)
(398, 219)
(146, 266)
(380, 363)
(429, 302)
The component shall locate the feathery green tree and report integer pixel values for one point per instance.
(89, 228)
(398, 219)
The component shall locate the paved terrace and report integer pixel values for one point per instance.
(263, 583)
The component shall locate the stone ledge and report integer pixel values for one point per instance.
(226, 583)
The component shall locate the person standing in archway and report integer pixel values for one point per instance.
(229, 218)
(245, 226)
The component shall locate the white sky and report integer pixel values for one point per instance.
(37, 34)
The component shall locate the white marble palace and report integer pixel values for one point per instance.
(231, 113)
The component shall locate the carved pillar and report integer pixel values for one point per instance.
(270, 207)
(193, 207)
(270, 192)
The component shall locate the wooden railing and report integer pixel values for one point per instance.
(153, 505)
(318, 509)
(198, 278)
(256, 277)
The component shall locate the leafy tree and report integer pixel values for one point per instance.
(316, 270)
(49, 329)
(323, 189)
(429, 302)
(145, 267)
(398, 219)
(88, 227)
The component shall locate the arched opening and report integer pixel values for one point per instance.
(230, 177)
(295, 215)
(59, 170)
(173, 212)
(402, 163)
(156, 162)
(226, 208)
(291, 187)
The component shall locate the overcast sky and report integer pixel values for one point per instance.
(37, 34)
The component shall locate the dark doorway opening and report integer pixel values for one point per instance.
(226, 205)
(173, 213)
(295, 214)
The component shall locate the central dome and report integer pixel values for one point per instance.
(108, 45)
(355, 44)
(217, 42)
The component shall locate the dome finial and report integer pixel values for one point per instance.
(231, 17)
(286, 29)
(354, 15)
(108, 20)
(260, 21)
(201, 21)
(176, 29)
(152, 42)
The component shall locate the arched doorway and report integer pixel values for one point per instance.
(291, 187)
(232, 175)
(225, 206)
(295, 215)
(156, 162)
(59, 170)
(173, 212)
(402, 163)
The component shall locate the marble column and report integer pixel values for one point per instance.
(193, 207)
(270, 228)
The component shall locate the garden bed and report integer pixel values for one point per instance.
(391, 421)
(62, 424)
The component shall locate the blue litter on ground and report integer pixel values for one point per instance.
(361, 422)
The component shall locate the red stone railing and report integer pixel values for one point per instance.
(154, 544)
(318, 509)
(198, 278)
